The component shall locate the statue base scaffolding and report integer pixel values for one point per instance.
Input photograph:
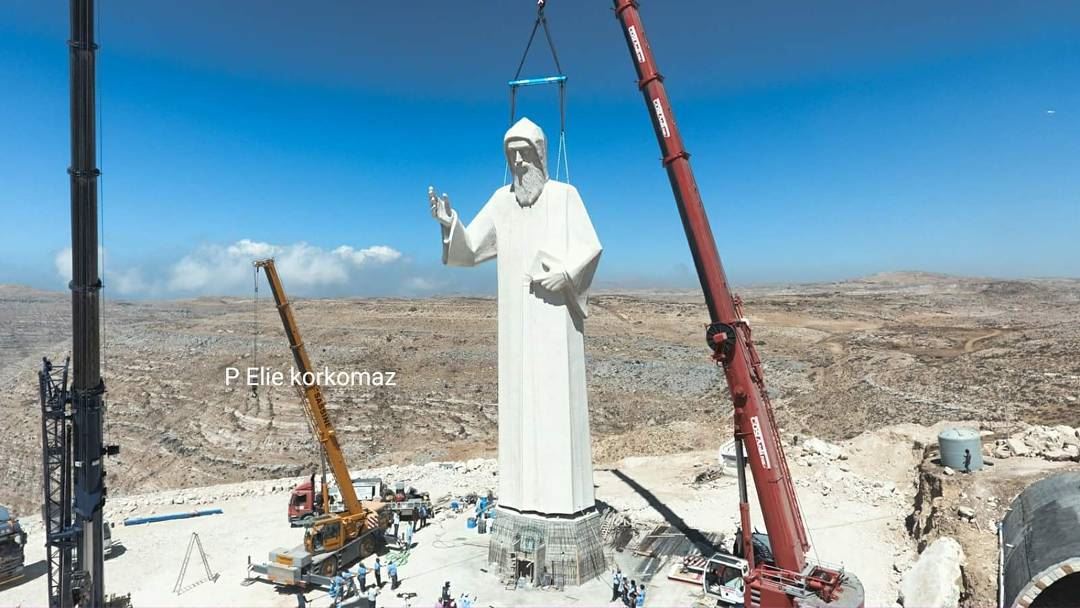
(546, 551)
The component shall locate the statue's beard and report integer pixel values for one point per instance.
(529, 185)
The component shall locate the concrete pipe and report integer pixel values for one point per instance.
(1041, 545)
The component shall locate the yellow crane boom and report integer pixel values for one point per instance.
(324, 534)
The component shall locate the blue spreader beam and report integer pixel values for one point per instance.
(528, 82)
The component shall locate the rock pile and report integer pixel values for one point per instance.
(849, 485)
(1057, 443)
(831, 474)
(814, 449)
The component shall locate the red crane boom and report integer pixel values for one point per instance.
(729, 337)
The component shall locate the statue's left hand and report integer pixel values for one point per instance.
(552, 280)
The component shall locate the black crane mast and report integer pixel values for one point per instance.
(73, 447)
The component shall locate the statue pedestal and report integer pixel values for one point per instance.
(566, 550)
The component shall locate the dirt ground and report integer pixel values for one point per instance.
(857, 525)
(839, 359)
(875, 365)
(870, 504)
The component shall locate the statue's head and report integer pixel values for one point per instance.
(526, 152)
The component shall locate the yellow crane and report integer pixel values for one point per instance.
(334, 540)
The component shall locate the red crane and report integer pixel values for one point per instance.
(791, 580)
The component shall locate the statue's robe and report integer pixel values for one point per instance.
(545, 460)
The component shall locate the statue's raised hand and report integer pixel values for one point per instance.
(440, 207)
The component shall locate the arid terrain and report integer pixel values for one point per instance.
(840, 358)
(875, 365)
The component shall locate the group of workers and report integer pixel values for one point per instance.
(342, 585)
(391, 571)
(626, 589)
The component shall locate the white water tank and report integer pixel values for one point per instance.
(954, 441)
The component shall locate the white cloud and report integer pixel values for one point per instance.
(226, 269)
(378, 253)
(63, 263)
(127, 282)
(216, 269)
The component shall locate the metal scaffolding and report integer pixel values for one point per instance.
(547, 552)
(56, 480)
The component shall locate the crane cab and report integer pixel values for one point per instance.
(332, 531)
(724, 579)
(327, 533)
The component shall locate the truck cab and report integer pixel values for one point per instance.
(302, 504)
(12, 546)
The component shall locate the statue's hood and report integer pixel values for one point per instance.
(531, 133)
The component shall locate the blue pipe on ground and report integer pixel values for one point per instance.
(135, 521)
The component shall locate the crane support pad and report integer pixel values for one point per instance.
(1041, 540)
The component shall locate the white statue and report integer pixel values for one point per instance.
(547, 252)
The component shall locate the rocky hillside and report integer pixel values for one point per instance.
(839, 358)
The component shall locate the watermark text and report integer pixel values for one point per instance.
(265, 376)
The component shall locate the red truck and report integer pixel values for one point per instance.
(305, 502)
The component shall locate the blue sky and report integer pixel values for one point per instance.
(830, 139)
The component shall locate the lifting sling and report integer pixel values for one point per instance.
(561, 161)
